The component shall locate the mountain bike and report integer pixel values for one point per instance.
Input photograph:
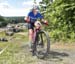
(41, 43)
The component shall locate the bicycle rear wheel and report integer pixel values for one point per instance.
(42, 43)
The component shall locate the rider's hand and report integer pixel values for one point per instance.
(46, 22)
(27, 19)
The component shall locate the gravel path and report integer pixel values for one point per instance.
(58, 55)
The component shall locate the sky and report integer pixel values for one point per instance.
(10, 8)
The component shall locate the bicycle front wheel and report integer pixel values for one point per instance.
(43, 43)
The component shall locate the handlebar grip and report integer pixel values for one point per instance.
(44, 23)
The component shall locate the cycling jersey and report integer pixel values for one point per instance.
(33, 17)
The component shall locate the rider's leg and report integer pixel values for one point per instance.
(31, 32)
(31, 35)
(37, 25)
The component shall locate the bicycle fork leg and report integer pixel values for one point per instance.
(42, 40)
(34, 44)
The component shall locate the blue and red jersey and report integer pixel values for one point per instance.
(33, 17)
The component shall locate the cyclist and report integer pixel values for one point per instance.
(31, 19)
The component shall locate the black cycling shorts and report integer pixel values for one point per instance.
(30, 25)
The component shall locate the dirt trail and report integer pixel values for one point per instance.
(19, 54)
(59, 54)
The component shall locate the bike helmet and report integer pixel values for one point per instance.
(35, 7)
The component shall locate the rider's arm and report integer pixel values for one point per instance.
(43, 20)
(27, 19)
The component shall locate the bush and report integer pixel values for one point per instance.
(61, 16)
(3, 21)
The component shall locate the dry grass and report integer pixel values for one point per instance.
(18, 52)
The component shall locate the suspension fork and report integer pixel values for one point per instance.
(41, 40)
(34, 40)
(34, 36)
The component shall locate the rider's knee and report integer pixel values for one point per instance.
(37, 24)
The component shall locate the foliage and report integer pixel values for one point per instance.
(3, 21)
(1, 18)
(15, 19)
(61, 17)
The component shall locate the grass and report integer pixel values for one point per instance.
(18, 51)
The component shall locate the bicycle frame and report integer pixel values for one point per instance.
(38, 40)
(36, 31)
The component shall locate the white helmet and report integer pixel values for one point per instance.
(35, 7)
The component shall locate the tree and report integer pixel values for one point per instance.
(61, 16)
(3, 21)
(1, 18)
